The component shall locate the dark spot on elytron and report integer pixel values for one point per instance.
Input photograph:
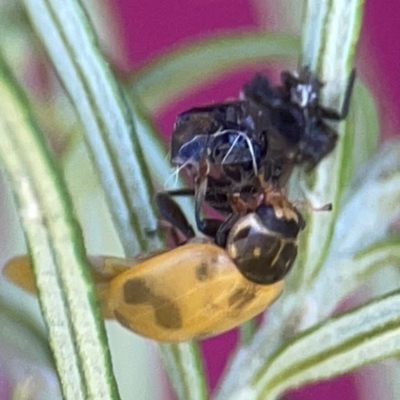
(240, 297)
(235, 297)
(122, 320)
(202, 272)
(166, 313)
(136, 292)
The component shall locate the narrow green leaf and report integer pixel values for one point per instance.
(26, 356)
(370, 210)
(381, 253)
(76, 332)
(283, 16)
(314, 19)
(67, 35)
(249, 357)
(363, 121)
(383, 166)
(150, 141)
(359, 337)
(329, 40)
(183, 365)
(189, 67)
(24, 334)
(351, 272)
(361, 242)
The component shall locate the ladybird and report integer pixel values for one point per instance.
(193, 291)
(190, 292)
(200, 288)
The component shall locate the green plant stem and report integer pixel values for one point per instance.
(184, 368)
(330, 36)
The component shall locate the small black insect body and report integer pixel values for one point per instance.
(297, 118)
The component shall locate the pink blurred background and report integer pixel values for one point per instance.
(151, 27)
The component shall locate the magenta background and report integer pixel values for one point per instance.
(152, 26)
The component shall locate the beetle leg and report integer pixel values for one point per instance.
(347, 96)
(208, 226)
(172, 213)
(329, 113)
(221, 235)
